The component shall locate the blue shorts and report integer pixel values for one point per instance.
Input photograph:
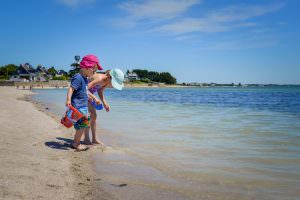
(85, 121)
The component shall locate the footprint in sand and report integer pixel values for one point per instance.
(119, 185)
(103, 147)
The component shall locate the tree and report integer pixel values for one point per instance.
(61, 78)
(167, 78)
(146, 76)
(154, 76)
(75, 66)
(141, 73)
(8, 70)
(76, 69)
(52, 71)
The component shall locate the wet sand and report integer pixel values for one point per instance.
(36, 159)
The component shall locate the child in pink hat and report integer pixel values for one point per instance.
(78, 96)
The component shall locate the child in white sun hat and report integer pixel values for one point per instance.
(98, 83)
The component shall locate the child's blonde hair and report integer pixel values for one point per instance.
(107, 78)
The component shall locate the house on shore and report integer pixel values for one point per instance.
(42, 74)
(26, 73)
(131, 76)
(61, 73)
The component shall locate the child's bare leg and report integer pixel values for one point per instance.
(87, 140)
(94, 137)
(76, 144)
(93, 128)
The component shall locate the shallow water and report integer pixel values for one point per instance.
(198, 143)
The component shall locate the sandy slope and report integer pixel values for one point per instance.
(36, 162)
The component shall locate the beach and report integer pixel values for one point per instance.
(36, 161)
(163, 143)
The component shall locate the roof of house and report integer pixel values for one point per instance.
(61, 72)
(41, 69)
(26, 69)
(132, 74)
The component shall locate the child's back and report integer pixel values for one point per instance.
(80, 96)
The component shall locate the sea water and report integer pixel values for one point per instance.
(197, 143)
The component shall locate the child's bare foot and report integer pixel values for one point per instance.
(87, 142)
(95, 141)
(79, 147)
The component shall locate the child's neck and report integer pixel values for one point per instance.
(82, 73)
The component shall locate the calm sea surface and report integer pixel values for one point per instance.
(198, 143)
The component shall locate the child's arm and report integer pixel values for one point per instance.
(101, 95)
(92, 83)
(69, 95)
(93, 97)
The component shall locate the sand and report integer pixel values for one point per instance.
(36, 160)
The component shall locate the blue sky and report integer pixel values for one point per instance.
(221, 41)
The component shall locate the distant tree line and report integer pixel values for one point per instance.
(7, 70)
(144, 75)
(163, 77)
(11, 69)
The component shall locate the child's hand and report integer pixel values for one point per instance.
(97, 101)
(106, 106)
(68, 103)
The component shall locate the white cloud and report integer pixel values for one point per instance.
(172, 18)
(242, 12)
(221, 20)
(184, 37)
(242, 40)
(76, 3)
(154, 10)
(192, 25)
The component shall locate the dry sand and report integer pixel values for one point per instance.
(36, 161)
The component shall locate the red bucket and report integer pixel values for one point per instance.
(66, 122)
(75, 114)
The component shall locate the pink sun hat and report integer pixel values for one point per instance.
(89, 61)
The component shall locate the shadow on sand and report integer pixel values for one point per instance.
(62, 144)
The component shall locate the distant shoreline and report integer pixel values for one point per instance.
(65, 84)
(208, 86)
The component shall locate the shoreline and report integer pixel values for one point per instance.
(133, 86)
(123, 176)
(37, 160)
